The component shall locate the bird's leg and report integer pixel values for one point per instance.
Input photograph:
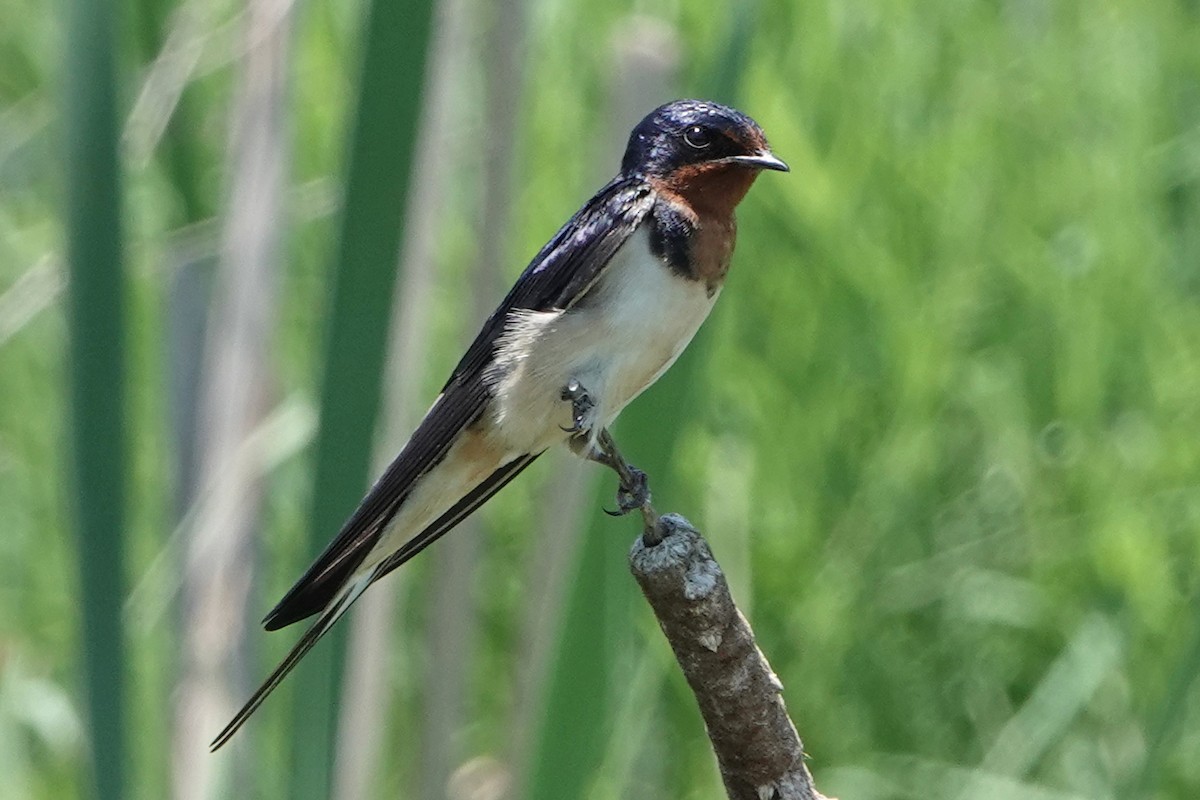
(634, 490)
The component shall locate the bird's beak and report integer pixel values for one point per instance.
(764, 159)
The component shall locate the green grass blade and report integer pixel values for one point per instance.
(380, 154)
(95, 314)
(572, 732)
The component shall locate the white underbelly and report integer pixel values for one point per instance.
(631, 326)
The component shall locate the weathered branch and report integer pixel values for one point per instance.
(759, 752)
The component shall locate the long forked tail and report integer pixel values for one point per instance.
(356, 586)
(319, 628)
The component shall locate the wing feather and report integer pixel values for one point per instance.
(456, 408)
(470, 501)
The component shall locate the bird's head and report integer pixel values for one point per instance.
(697, 134)
(696, 146)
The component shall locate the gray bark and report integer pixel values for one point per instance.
(759, 752)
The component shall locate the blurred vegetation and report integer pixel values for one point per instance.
(942, 429)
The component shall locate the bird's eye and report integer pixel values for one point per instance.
(698, 137)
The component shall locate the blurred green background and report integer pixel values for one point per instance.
(942, 430)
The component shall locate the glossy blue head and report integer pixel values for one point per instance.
(696, 133)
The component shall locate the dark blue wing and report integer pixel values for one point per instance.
(567, 266)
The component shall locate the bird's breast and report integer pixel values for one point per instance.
(616, 340)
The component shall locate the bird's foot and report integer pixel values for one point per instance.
(581, 407)
(632, 495)
(633, 492)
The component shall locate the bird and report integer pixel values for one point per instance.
(602, 310)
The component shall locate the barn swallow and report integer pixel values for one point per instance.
(597, 316)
